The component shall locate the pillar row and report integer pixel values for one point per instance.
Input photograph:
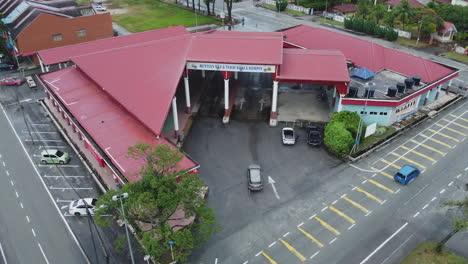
(274, 103)
(187, 95)
(175, 117)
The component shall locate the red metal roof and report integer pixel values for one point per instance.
(111, 127)
(412, 3)
(63, 54)
(346, 8)
(447, 26)
(313, 65)
(366, 54)
(237, 47)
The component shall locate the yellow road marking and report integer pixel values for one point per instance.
(444, 135)
(368, 195)
(391, 164)
(419, 153)
(381, 186)
(464, 119)
(362, 208)
(455, 123)
(436, 141)
(409, 160)
(320, 245)
(293, 250)
(327, 226)
(272, 261)
(382, 172)
(340, 213)
(451, 129)
(428, 147)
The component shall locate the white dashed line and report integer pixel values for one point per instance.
(325, 208)
(373, 175)
(363, 181)
(466, 169)
(351, 226)
(383, 202)
(442, 191)
(3, 254)
(312, 216)
(272, 244)
(355, 187)
(416, 214)
(4, 165)
(216, 260)
(424, 207)
(17, 195)
(368, 213)
(246, 262)
(299, 225)
(285, 235)
(12, 184)
(397, 191)
(258, 254)
(34, 233)
(331, 242)
(21, 204)
(7, 173)
(27, 218)
(458, 176)
(433, 198)
(343, 196)
(334, 202)
(450, 184)
(315, 254)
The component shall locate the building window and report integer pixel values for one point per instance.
(81, 33)
(57, 37)
(363, 113)
(373, 113)
(383, 113)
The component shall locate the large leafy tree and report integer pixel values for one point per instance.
(390, 18)
(430, 21)
(364, 8)
(404, 13)
(452, 13)
(378, 12)
(155, 198)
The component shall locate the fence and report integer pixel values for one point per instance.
(293, 7)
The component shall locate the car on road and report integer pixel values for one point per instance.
(288, 136)
(314, 136)
(100, 8)
(11, 81)
(30, 81)
(406, 174)
(54, 156)
(254, 178)
(81, 206)
(6, 66)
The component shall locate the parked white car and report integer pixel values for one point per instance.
(78, 207)
(288, 135)
(101, 8)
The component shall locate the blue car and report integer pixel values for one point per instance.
(406, 174)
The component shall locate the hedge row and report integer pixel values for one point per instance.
(371, 28)
(341, 131)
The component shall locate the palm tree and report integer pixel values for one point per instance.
(378, 12)
(404, 13)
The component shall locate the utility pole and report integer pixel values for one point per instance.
(120, 197)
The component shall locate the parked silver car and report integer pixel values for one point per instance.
(254, 178)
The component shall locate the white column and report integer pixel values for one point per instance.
(226, 94)
(175, 116)
(60, 65)
(187, 94)
(236, 75)
(203, 73)
(334, 92)
(339, 104)
(450, 82)
(47, 68)
(274, 97)
(42, 64)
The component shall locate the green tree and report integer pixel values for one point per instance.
(404, 13)
(390, 18)
(453, 13)
(364, 8)
(459, 223)
(378, 12)
(207, 3)
(429, 21)
(162, 190)
(281, 5)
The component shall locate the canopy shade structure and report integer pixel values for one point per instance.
(363, 73)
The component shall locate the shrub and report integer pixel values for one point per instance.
(281, 5)
(338, 139)
(350, 120)
(310, 4)
(371, 28)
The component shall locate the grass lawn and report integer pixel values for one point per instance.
(411, 43)
(425, 254)
(456, 56)
(372, 139)
(290, 12)
(144, 15)
(329, 21)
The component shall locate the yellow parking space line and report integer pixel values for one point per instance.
(408, 160)
(428, 147)
(320, 245)
(418, 153)
(327, 226)
(444, 135)
(461, 118)
(362, 208)
(382, 172)
(381, 186)
(369, 195)
(340, 213)
(451, 129)
(272, 261)
(293, 250)
(455, 123)
(436, 141)
(391, 164)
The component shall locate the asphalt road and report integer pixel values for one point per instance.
(31, 229)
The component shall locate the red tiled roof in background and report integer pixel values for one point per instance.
(447, 26)
(345, 8)
(110, 125)
(443, 1)
(366, 54)
(412, 3)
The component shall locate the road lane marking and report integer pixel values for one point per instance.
(450, 183)
(311, 237)
(272, 244)
(272, 261)
(21, 204)
(391, 164)
(419, 153)
(59, 165)
(258, 254)
(340, 213)
(59, 176)
(327, 226)
(312, 216)
(383, 244)
(436, 141)
(383, 173)
(408, 160)
(433, 199)
(451, 129)
(368, 213)
(397, 191)
(428, 147)
(7, 173)
(67, 188)
(323, 209)
(455, 123)
(442, 191)
(246, 262)
(466, 169)
(12, 184)
(3, 254)
(458, 176)
(17, 195)
(334, 202)
(383, 201)
(425, 206)
(444, 135)
(331, 242)
(43, 254)
(343, 196)
(27, 218)
(349, 228)
(381, 186)
(4, 165)
(416, 214)
(34, 233)
(369, 195)
(364, 181)
(315, 254)
(293, 250)
(216, 260)
(360, 207)
(299, 225)
(285, 235)
(459, 117)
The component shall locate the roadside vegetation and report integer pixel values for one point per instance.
(145, 15)
(341, 132)
(459, 221)
(426, 253)
(153, 201)
(287, 11)
(456, 56)
(331, 22)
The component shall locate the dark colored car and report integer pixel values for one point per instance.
(314, 136)
(6, 67)
(254, 178)
(406, 174)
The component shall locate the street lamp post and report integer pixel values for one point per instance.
(419, 32)
(358, 134)
(120, 197)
